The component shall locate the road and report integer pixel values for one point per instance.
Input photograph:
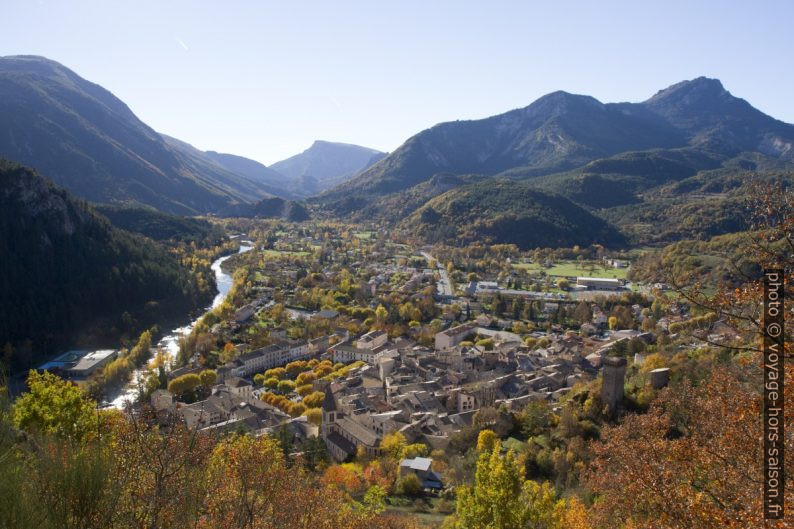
(444, 285)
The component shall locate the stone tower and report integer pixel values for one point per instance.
(329, 412)
(613, 378)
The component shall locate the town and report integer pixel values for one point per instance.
(353, 337)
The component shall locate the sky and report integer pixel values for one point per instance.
(265, 79)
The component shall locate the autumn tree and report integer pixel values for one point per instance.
(208, 378)
(486, 440)
(393, 445)
(693, 460)
(502, 499)
(56, 407)
(184, 383)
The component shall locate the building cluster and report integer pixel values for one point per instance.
(232, 406)
(430, 394)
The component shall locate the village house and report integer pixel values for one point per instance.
(446, 340)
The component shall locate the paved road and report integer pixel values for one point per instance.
(444, 285)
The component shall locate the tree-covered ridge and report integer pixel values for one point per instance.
(159, 226)
(67, 272)
(508, 212)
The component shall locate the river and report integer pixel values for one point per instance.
(170, 342)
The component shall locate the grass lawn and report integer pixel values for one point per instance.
(572, 268)
(365, 235)
(277, 253)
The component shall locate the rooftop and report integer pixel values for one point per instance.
(417, 463)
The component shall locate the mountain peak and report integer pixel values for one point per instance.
(326, 163)
(693, 91)
(564, 100)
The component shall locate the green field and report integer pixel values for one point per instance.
(278, 253)
(364, 235)
(574, 269)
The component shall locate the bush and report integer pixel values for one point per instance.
(409, 485)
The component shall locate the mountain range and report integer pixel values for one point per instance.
(628, 164)
(562, 131)
(88, 141)
(619, 161)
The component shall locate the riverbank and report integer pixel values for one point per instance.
(169, 342)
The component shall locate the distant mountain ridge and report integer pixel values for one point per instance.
(325, 164)
(562, 131)
(90, 142)
(272, 181)
(619, 161)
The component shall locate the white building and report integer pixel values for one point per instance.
(448, 339)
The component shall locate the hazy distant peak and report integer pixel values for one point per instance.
(325, 164)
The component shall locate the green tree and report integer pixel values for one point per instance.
(393, 445)
(409, 485)
(208, 378)
(56, 407)
(486, 440)
(501, 499)
(375, 499)
(184, 384)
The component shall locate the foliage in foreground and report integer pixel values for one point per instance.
(72, 467)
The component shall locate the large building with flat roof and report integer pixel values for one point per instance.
(599, 283)
(91, 362)
(79, 364)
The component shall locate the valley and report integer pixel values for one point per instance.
(547, 315)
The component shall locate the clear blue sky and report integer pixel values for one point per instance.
(264, 79)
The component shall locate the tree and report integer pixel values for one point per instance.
(486, 343)
(563, 284)
(247, 477)
(381, 314)
(486, 440)
(56, 407)
(286, 386)
(582, 313)
(314, 399)
(535, 420)
(415, 450)
(314, 415)
(228, 353)
(297, 408)
(613, 322)
(501, 499)
(184, 383)
(393, 445)
(375, 499)
(208, 378)
(409, 485)
(706, 443)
